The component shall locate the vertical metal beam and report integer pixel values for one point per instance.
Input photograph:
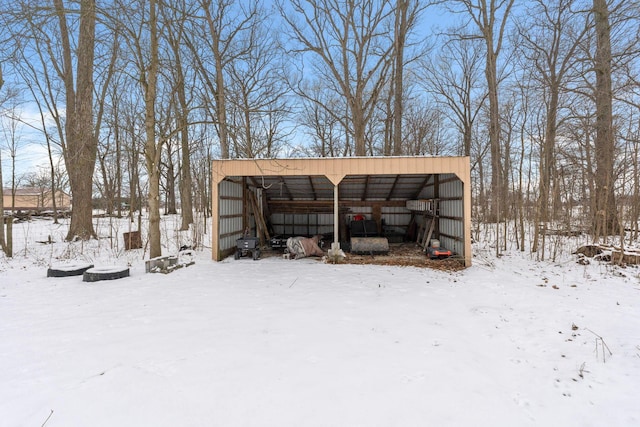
(336, 218)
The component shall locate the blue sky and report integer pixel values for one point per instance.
(31, 153)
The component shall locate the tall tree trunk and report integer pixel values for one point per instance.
(605, 220)
(359, 129)
(175, 39)
(82, 146)
(400, 38)
(152, 152)
(220, 89)
(133, 182)
(547, 167)
(52, 177)
(107, 193)
(170, 202)
(118, 165)
(186, 183)
(495, 152)
(492, 27)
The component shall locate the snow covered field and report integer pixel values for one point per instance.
(274, 342)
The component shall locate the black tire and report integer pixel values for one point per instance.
(105, 273)
(68, 270)
(236, 255)
(256, 254)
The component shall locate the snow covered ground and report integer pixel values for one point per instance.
(274, 342)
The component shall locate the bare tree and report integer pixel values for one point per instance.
(221, 27)
(169, 163)
(424, 131)
(605, 220)
(118, 140)
(12, 134)
(153, 147)
(33, 67)
(108, 185)
(629, 199)
(53, 182)
(549, 41)
(61, 39)
(348, 47)
(132, 125)
(257, 101)
(490, 18)
(141, 31)
(81, 149)
(175, 38)
(454, 81)
(323, 128)
(406, 15)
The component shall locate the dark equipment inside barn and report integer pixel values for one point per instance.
(246, 246)
(435, 251)
(278, 242)
(365, 238)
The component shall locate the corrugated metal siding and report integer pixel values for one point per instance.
(322, 223)
(452, 228)
(452, 188)
(302, 224)
(396, 216)
(230, 212)
(452, 209)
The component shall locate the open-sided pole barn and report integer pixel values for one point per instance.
(308, 196)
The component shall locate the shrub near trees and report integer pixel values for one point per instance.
(139, 97)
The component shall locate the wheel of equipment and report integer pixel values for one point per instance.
(105, 273)
(256, 254)
(236, 255)
(68, 270)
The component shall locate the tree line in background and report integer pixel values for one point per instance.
(140, 96)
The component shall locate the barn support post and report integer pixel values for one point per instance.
(335, 245)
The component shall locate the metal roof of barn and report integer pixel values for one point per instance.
(360, 178)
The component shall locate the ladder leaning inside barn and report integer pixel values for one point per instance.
(429, 210)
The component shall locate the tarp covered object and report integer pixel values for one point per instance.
(301, 247)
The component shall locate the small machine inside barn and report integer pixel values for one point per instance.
(364, 237)
(247, 246)
(359, 205)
